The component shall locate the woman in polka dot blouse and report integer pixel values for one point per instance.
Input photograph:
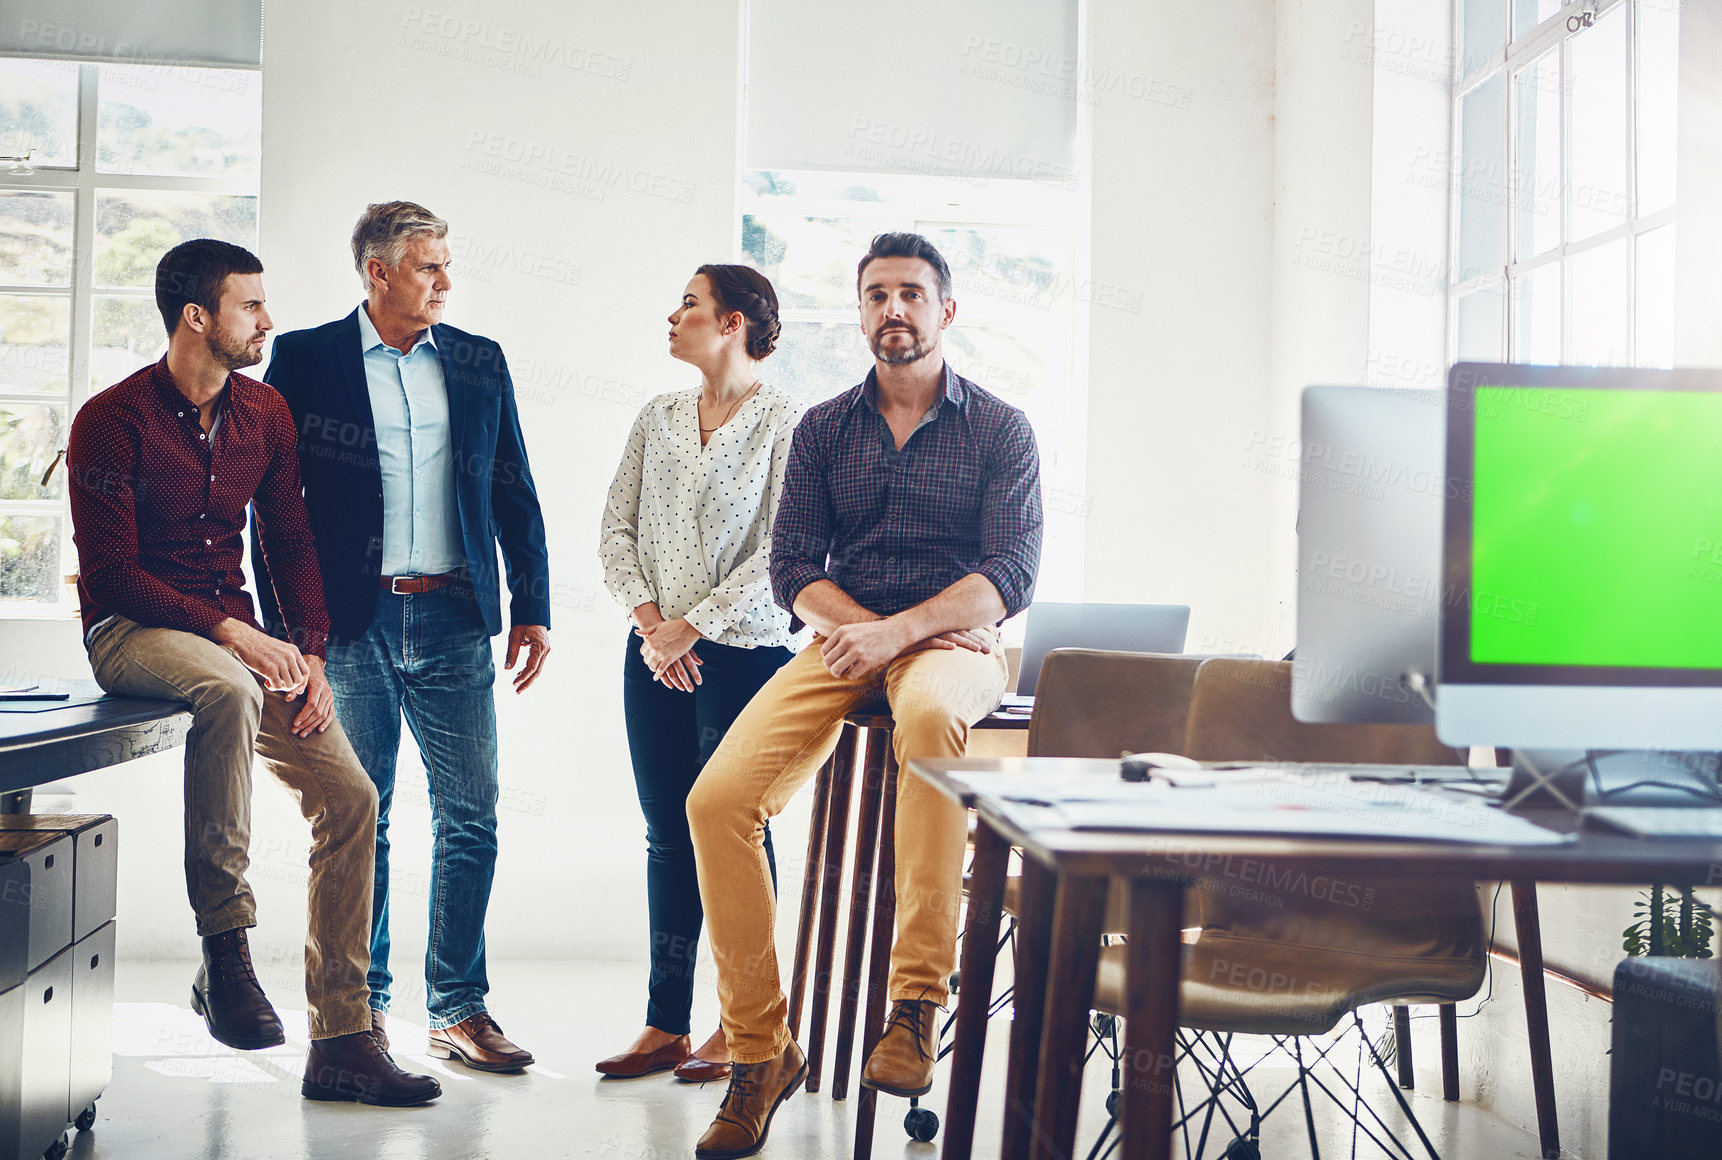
(686, 546)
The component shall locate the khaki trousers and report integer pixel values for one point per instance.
(232, 719)
(777, 743)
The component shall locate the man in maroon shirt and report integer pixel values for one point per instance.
(162, 468)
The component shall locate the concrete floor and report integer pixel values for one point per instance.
(177, 1094)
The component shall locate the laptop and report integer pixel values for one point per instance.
(1150, 628)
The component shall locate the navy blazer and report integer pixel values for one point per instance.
(321, 374)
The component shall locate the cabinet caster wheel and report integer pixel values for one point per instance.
(1242, 1149)
(86, 1118)
(58, 1149)
(921, 1124)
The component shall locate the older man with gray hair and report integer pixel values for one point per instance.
(414, 470)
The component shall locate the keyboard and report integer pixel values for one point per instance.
(1659, 821)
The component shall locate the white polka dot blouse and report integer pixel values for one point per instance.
(689, 527)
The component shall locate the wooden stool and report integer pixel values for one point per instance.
(872, 872)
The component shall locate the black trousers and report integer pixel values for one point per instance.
(671, 734)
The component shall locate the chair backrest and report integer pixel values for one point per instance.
(1091, 703)
(1148, 628)
(1240, 710)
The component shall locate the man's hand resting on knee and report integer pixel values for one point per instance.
(281, 665)
(854, 650)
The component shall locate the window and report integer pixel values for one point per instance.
(103, 168)
(1012, 251)
(1564, 125)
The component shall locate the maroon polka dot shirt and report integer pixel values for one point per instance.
(158, 508)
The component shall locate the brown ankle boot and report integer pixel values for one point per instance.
(744, 1117)
(226, 993)
(902, 1062)
(355, 1067)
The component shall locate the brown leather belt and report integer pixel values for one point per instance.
(412, 585)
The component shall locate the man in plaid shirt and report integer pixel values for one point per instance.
(909, 527)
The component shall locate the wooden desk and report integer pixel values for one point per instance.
(1064, 883)
(44, 741)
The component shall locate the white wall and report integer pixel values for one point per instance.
(1183, 212)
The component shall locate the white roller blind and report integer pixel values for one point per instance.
(981, 88)
(165, 32)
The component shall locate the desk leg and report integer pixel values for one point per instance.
(1076, 923)
(1449, 1052)
(17, 802)
(1402, 1046)
(1033, 952)
(1153, 966)
(1530, 932)
(980, 949)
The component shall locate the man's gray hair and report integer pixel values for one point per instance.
(384, 230)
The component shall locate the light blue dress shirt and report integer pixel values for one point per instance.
(415, 446)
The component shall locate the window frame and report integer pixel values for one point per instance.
(84, 181)
(1552, 35)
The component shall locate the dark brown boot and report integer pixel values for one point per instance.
(902, 1061)
(755, 1091)
(226, 993)
(380, 1027)
(355, 1067)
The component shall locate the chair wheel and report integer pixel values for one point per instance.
(921, 1123)
(1242, 1149)
(1112, 1104)
(956, 980)
(58, 1149)
(86, 1118)
(1105, 1024)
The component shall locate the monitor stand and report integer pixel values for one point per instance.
(1639, 777)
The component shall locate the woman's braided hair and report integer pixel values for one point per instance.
(744, 290)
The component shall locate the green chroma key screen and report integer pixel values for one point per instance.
(1597, 528)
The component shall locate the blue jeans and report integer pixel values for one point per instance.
(428, 656)
(670, 736)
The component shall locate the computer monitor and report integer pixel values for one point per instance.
(1154, 628)
(1587, 559)
(1371, 481)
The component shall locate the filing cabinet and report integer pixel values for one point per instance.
(58, 885)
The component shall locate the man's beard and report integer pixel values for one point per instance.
(898, 356)
(233, 357)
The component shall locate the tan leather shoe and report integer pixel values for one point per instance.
(744, 1117)
(902, 1061)
(634, 1063)
(380, 1027)
(479, 1043)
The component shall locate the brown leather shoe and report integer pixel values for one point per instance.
(902, 1061)
(744, 1117)
(634, 1063)
(356, 1068)
(380, 1027)
(226, 993)
(479, 1043)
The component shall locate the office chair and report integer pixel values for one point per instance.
(1294, 964)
